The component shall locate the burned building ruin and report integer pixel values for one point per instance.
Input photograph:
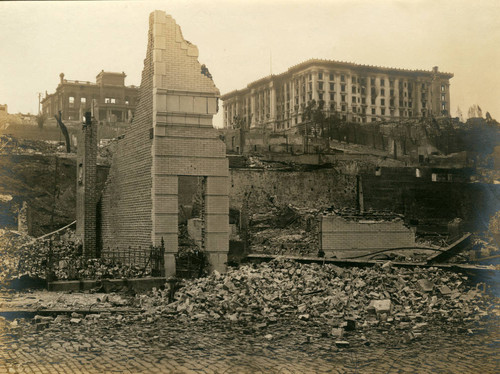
(170, 137)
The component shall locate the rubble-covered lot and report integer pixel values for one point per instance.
(283, 289)
(277, 317)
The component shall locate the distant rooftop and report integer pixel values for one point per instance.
(343, 64)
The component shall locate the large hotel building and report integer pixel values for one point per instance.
(358, 93)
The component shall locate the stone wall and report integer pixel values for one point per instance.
(345, 238)
(315, 189)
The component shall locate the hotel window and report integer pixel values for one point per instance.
(332, 86)
(310, 76)
(392, 93)
(363, 100)
(372, 81)
(391, 83)
(342, 98)
(373, 101)
(343, 108)
(382, 111)
(331, 96)
(331, 76)
(391, 102)
(382, 82)
(342, 77)
(320, 85)
(113, 100)
(353, 80)
(353, 89)
(310, 86)
(443, 97)
(354, 99)
(373, 110)
(83, 100)
(382, 102)
(382, 92)
(443, 88)
(107, 100)
(443, 106)
(71, 101)
(310, 96)
(342, 87)
(320, 75)
(321, 96)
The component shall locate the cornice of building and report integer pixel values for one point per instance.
(334, 64)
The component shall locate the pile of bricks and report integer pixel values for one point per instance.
(283, 289)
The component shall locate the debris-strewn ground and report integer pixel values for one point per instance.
(340, 297)
(57, 257)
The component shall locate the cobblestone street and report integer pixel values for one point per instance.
(124, 344)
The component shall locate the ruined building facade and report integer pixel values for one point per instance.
(358, 93)
(113, 100)
(170, 137)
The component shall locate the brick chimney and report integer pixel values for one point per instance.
(86, 196)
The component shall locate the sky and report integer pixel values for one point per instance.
(242, 41)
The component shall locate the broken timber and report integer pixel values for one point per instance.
(361, 263)
(456, 247)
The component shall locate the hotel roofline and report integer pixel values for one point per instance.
(337, 64)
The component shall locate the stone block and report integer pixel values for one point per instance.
(218, 261)
(217, 223)
(161, 103)
(426, 285)
(200, 105)
(166, 223)
(173, 103)
(212, 105)
(166, 185)
(217, 241)
(217, 186)
(165, 204)
(217, 204)
(186, 104)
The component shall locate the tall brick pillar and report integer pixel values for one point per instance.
(86, 200)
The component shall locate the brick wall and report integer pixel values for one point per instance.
(431, 204)
(315, 189)
(344, 238)
(171, 136)
(126, 198)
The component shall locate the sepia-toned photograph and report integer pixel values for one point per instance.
(226, 187)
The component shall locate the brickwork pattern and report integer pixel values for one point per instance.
(86, 188)
(126, 199)
(171, 136)
(343, 236)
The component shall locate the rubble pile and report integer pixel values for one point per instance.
(283, 289)
(56, 258)
(285, 230)
(14, 146)
(285, 242)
